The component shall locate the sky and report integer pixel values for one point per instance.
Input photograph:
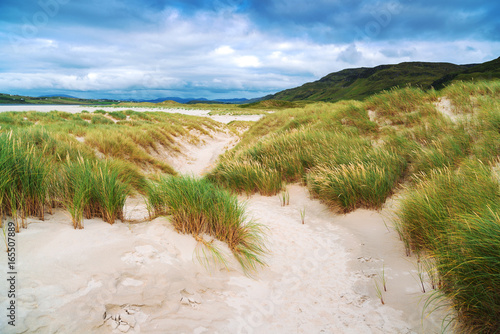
(147, 49)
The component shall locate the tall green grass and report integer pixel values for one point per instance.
(23, 179)
(199, 207)
(464, 95)
(402, 106)
(366, 181)
(286, 156)
(93, 189)
(444, 194)
(44, 165)
(247, 177)
(454, 216)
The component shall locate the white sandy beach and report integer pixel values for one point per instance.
(143, 277)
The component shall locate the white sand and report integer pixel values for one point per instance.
(444, 106)
(199, 159)
(145, 277)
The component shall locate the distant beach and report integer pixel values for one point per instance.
(79, 108)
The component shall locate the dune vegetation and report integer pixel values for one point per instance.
(199, 207)
(86, 163)
(439, 150)
(443, 161)
(89, 163)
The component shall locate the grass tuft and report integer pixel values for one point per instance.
(199, 207)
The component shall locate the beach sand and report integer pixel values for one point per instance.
(144, 277)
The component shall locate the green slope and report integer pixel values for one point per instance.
(359, 83)
(485, 71)
(20, 99)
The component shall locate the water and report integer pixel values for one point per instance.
(78, 108)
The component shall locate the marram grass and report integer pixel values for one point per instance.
(199, 207)
(23, 179)
(454, 216)
(93, 189)
(365, 182)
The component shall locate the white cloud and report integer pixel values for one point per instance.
(218, 54)
(224, 50)
(248, 61)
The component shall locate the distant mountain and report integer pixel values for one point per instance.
(59, 99)
(358, 83)
(200, 100)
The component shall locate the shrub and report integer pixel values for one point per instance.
(248, 177)
(98, 119)
(118, 115)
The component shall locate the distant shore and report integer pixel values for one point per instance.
(74, 109)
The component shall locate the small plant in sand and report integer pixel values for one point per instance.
(303, 215)
(384, 281)
(285, 198)
(429, 265)
(378, 291)
(421, 275)
(380, 282)
(199, 207)
(4, 232)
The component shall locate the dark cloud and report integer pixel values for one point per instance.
(232, 47)
(401, 53)
(351, 55)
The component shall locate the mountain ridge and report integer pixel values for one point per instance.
(359, 83)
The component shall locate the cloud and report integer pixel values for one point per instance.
(350, 55)
(248, 61)
(224, 50)
(227, 48)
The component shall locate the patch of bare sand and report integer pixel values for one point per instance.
(145, 277)
(444, 106)
(198, 158)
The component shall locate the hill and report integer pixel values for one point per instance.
(59, 99)
(358, 83)
(485, 71)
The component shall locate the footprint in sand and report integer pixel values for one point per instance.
(123, 318)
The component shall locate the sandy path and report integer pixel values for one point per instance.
(145, 277)
(199, 159)
(195, 159)
(321, 274)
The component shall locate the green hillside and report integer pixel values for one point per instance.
(20, 99)
(359, 83)
(485, 71)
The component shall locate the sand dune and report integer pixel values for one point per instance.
(144, 277)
